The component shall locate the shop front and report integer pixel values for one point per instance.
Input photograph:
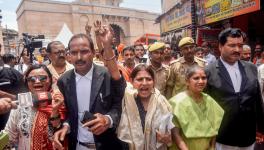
(148, 39)
(176, 23)
(217, 15)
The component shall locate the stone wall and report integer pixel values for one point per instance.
(47, 17)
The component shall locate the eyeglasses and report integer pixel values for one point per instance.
(59, 53)
(41, 78)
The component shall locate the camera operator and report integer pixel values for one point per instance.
(35, 42)
(44, 56)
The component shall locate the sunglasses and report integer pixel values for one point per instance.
(41, 78)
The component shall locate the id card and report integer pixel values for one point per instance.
(25, 99)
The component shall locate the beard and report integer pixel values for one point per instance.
(167, 57)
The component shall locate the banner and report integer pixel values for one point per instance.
(209, 11)
(177, 18)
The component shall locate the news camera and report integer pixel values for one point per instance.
(32, 42)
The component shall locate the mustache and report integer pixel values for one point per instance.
(236, 53)
(80, 62)
(61, 57)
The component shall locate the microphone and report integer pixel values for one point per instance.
(41, 97)
(29, 99)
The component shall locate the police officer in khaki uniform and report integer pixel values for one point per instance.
(176, 81)
(161, 71)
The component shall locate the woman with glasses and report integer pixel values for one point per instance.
(28, 126)
(196, 115)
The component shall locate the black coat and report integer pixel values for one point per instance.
(11, 81)
(112, 93)
(243, 110)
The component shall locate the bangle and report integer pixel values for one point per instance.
(108, 59)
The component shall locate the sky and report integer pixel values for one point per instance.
(9, 7)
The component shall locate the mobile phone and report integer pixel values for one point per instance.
(88, 116)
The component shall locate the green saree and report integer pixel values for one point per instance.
(199, 122)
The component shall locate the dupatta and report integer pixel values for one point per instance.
(194, 122)
(130, 128)
(39, 131)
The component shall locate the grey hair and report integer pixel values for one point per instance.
(246, 47)
(191, 71)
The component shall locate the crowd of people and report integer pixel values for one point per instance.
(134, 97)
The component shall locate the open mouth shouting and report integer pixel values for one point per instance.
(38, 87)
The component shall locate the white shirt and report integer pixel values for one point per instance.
(210, 58)
(7, 66)
(83, 90)
(261, 79)
(22, 68)
(234, 73)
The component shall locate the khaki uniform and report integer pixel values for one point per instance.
(176, 82)
(161, 77)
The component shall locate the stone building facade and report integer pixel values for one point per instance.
(1, 41)
(47, 17)
(1, 35)
(168, 4)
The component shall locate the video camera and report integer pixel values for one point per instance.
(32, 42)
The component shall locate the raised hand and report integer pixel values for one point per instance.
(104, 37)
(97, 26)
(57, 100)
(88, 29)
(104, 34)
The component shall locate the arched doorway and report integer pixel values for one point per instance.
(119, 34)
